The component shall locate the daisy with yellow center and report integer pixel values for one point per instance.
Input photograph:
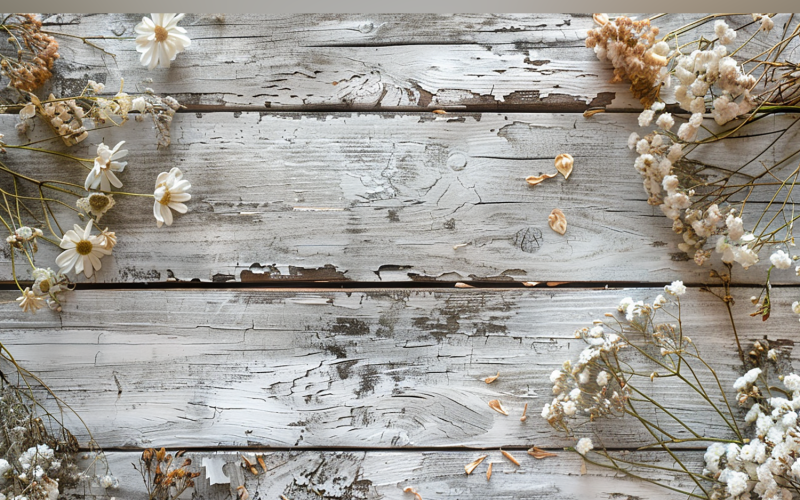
(160, 39)
(82, 251)
(102, 174)
(170, 194)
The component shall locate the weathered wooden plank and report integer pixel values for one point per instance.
(390, 197)
(376, 369)
(519, 62)
(306, 475)
(532, 62)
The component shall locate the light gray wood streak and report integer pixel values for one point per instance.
(374, 475)
(381, 368)
(387, 197)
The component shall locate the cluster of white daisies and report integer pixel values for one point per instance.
(159, 40)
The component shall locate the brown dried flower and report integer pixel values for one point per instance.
(36, 53)
(629, 45)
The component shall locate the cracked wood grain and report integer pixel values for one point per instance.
(374, 475)
(506, 62)
(363, 369)
(390, 197)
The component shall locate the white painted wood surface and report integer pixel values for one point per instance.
(387, 197)
(374, 369)
(314, 157)
(373, 475)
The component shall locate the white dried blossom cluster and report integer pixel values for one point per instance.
(714, 75)
(705, 78)
(767, 464)
(586, 388)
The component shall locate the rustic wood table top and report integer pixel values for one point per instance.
(304, 309)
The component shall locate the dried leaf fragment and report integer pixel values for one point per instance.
(524, 416)
(243, 494)
(409, 489)
(557, 221)
(439, 111)
(250, 466)
(510, 457)
(591, 112)
(475, 463)
(262, 464)
(489, 472)
(489, 380)
(531, 283)
(564, 164)
(463, 285)
(496, 406)
(536, 179)
(539, 453)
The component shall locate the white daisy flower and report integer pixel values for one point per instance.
(83, 251)
(170, 194)
(30, 302)
(102, 174)
(160, 39)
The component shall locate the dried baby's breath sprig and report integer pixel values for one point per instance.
(763, 462)
(734, 207)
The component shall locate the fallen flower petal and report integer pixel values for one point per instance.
(472, 465)
(539, 453)
(536, 179)
(496, 406)
(557, 221)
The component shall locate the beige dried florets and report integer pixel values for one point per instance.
(36, 53)
(630, 47)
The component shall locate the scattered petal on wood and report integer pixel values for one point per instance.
(264, 466)
(557, 221)
(489, 472)
(539, 453)
(472, 465)
(564, 164)
(591, 112)
(508, 456)
(283, 497)
(250, 466)
(524, 416)
(439, 111)
(536, 179)
(463, 285)
(243, 494)
(600, 19)
(456, 247)
(531, 283)
(409, 489)
(489, 380)
(556, 283)
(496, 406)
